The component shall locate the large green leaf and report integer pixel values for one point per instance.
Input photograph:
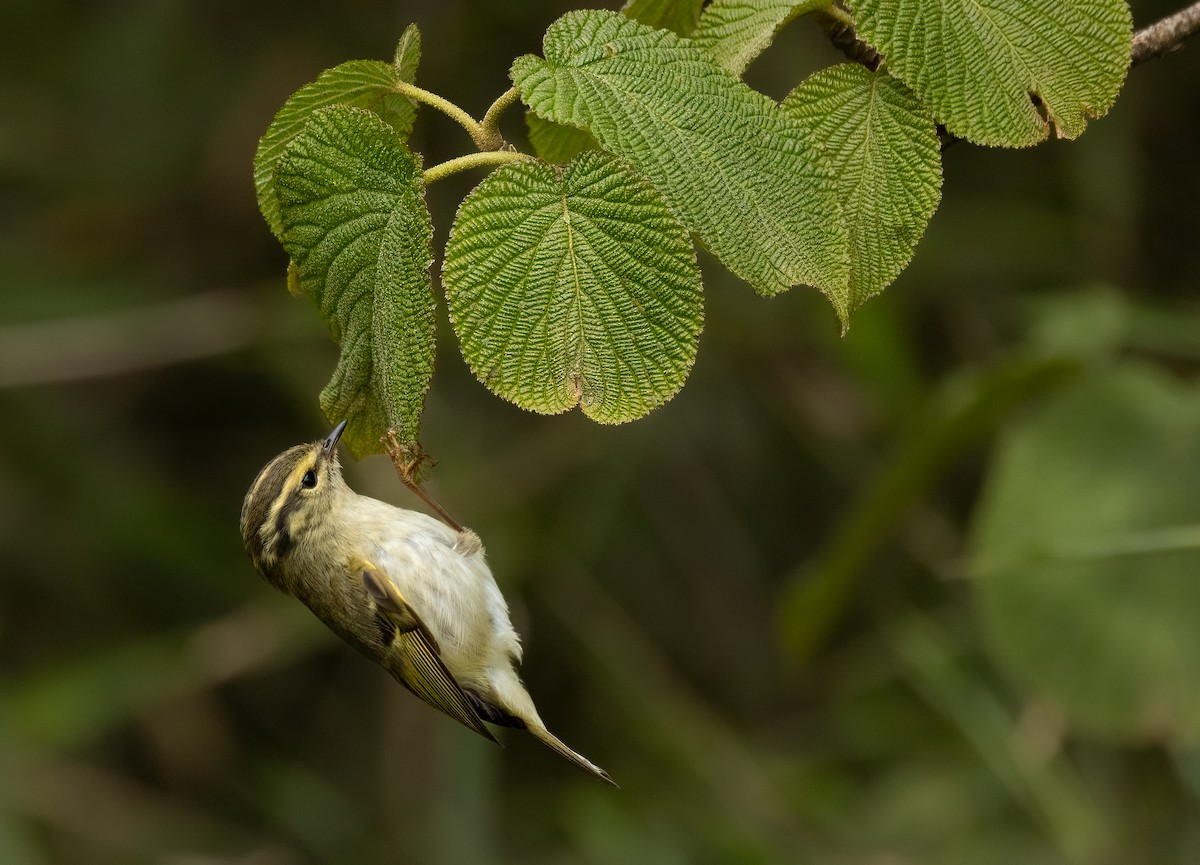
(1086, 549)
(369, 84)
(737, 31)
(1000, 72)
(747, 179)
(355, 223)
(574, 286)
(884, 148)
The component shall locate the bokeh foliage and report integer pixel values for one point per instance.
(768, 608)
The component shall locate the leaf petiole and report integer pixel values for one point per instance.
(408, 461)
(485, 133)
(462, 118)
(838, 14)
(472, 160)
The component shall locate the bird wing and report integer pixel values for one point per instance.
(415, 659)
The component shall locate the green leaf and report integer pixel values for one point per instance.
(574, 285)
(747, 179)
(355, 223)
(557, 142)
(885, 152)
(1086, 549)
(369, 84)
(406, 60)
(737, 31)
(679, 16)
(1000, 72)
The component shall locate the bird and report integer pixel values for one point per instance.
(407, 590)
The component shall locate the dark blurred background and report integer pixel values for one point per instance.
(758, 608)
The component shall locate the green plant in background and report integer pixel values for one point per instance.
(576, 284)
(1074, 562)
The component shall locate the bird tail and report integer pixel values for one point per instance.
(559, 747)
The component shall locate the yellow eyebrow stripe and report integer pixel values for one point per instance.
(271, 528)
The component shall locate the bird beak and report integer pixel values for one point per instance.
(329, 446)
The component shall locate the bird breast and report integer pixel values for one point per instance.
(443, 575)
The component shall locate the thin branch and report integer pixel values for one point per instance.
(1166, 35)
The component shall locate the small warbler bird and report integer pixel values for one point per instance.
(409, 592)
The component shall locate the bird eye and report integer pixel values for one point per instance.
(309, 480)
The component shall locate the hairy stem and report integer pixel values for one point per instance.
(462, 118)
(472, 160)
(838, 14)
(489, 127)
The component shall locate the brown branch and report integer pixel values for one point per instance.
(1166, 35)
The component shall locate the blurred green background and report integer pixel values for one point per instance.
(925, 594)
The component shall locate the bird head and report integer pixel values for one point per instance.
(290, 500)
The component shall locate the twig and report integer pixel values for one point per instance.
(1166, 35)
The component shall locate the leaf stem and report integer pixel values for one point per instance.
(408, 460)
(472, 160)
(466, 121)
(837, 13)
(489, 127)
